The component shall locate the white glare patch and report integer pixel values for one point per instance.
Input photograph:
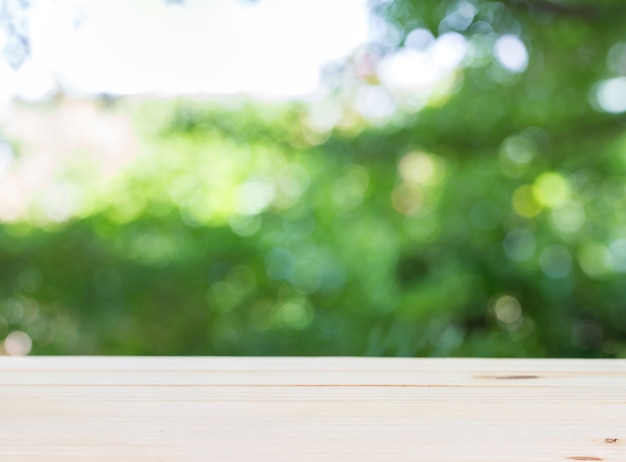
(254, 196)
(375, 103)
(611, 95)
(511, 53)
(204, 46)
(416, 69)
(34, 82)
(408, 69)
(17, 344)
(449, 50)
(419, 39)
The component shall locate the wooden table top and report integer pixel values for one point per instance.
(311, 409)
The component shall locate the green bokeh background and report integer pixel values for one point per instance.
(490, 222)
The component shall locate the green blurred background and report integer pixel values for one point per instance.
(476, 209)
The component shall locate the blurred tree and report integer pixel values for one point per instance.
(457, 193)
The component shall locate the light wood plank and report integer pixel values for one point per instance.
(310, 409)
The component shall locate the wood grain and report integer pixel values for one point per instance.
(311, 409)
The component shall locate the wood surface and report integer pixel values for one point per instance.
(311, 409)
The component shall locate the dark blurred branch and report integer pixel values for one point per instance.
(582, 11)
(590, 11)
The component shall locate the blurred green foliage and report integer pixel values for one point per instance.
(487, 223)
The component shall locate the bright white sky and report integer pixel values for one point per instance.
(270, 48)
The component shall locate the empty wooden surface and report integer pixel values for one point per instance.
(305, 409)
